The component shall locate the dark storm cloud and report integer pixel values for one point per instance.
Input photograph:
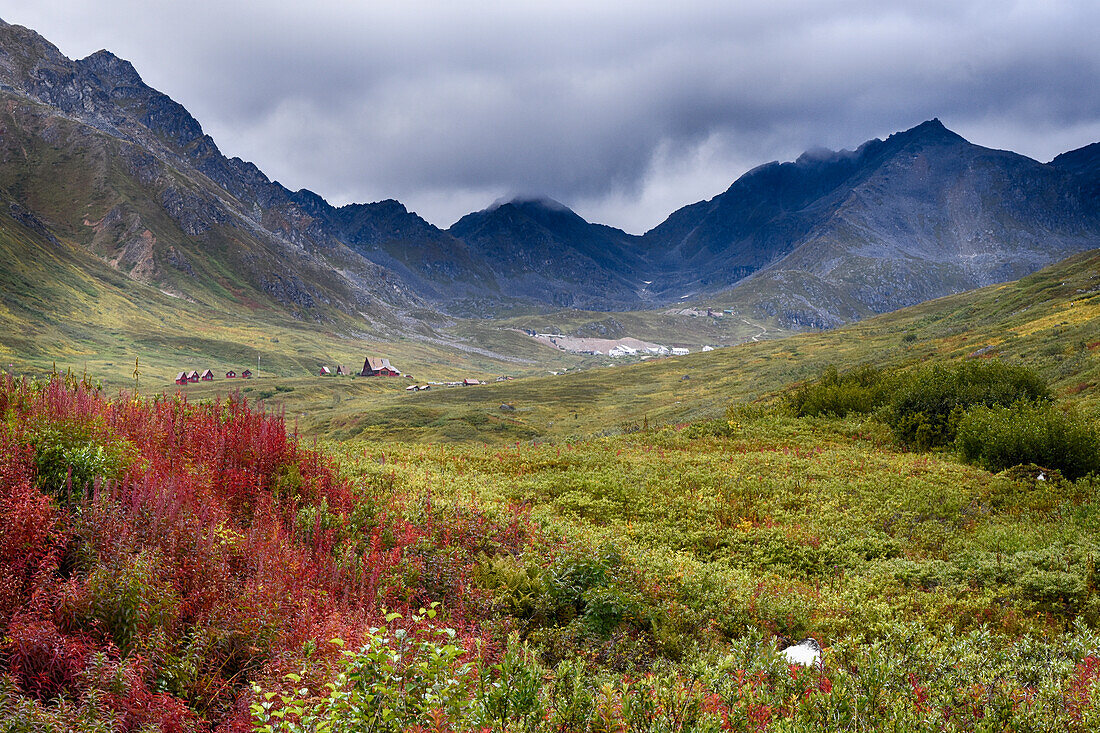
(623, 111)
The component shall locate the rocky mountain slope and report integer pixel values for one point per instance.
(92, 156)
(541, 249)
(833, 237)
(98, 158)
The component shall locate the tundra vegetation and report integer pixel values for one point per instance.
(192, 567)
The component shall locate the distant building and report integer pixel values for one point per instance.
(324, 372)
(680, 351)
(708, 347)
(192, 376)
(469, 382)
(231, 374)
(621, 350)
(207, 376)
(341, 370)
(374, 366)
(181, 378)
(246, 374)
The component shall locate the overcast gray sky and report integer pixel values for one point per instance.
(624, 111)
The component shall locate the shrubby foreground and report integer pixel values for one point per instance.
(194, 567)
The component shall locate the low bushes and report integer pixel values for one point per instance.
(156, 557)
(410, 679)
(997, 438)
(997, 415)
(926, 405)
(862, 390)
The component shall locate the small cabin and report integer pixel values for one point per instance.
(378, 367)
(324, 372)
(469, 382)
(341, 371)
(207, 376)
(192, 376)
(181, 378)
(246, 374)
(231, 374)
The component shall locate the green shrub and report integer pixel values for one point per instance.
(508, 697)
(926, 405)
(833, 394)
(67, 459)
(129, 599)
(997, 438)
(519, 587)
(400, 678)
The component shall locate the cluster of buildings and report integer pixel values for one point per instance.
(373, 366)
(208, 376)
(624, 350)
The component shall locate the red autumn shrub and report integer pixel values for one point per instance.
(205, 549)
(29, 529)
(44, 662)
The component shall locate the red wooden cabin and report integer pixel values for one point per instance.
(378, 367)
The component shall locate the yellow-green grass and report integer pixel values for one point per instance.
(62, 308)
(796, 525)
(1050, 320)
(670, 326)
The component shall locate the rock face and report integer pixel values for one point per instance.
(91, 154)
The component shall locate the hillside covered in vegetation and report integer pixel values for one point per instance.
(178, 566)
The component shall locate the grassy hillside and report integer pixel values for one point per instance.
(63, 308)
(642, 582)
(1050, 320)
(614, 557)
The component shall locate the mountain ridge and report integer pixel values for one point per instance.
(830, 237)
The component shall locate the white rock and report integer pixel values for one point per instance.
(806, 653)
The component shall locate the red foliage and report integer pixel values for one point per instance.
(195, 548)
(136, 707)
(44, 662)
(920, 693)
(30, 537)
(1077, 692)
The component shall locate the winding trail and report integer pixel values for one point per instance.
(763, 331)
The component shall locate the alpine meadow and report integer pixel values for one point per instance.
(819, 453)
